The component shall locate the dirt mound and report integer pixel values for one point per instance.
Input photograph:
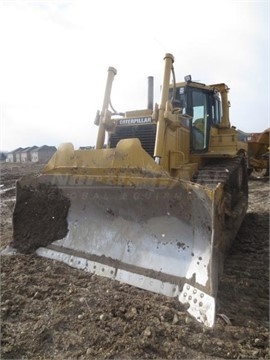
(51, 311)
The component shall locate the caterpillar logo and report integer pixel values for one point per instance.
(135, 121)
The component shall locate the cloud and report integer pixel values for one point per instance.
(56, 56)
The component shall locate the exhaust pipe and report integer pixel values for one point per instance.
(106, 102)
(150, 95)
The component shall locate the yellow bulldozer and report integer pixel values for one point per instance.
(156, 206)
(258, 154)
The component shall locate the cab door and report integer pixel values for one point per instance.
(201, 107)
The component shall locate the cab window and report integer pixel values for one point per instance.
(199, 120)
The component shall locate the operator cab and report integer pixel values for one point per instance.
(202, 103)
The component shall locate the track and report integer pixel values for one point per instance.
(231, 172)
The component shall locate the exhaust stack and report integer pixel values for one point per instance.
(150, 95)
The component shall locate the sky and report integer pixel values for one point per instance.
(54, 57)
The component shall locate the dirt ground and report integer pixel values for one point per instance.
(51, 311)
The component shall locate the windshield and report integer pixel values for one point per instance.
(179, 98)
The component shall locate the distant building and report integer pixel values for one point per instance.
(18, 155)
(86, 147)
(3, 155)
(11, 156)
(26, 153)
(42, 154)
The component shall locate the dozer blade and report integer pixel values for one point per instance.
(139, 227)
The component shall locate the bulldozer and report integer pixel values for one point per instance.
(258, 154)
(155, 204)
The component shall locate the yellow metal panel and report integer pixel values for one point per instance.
(135, 113)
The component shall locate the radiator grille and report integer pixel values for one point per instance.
(145, 133)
